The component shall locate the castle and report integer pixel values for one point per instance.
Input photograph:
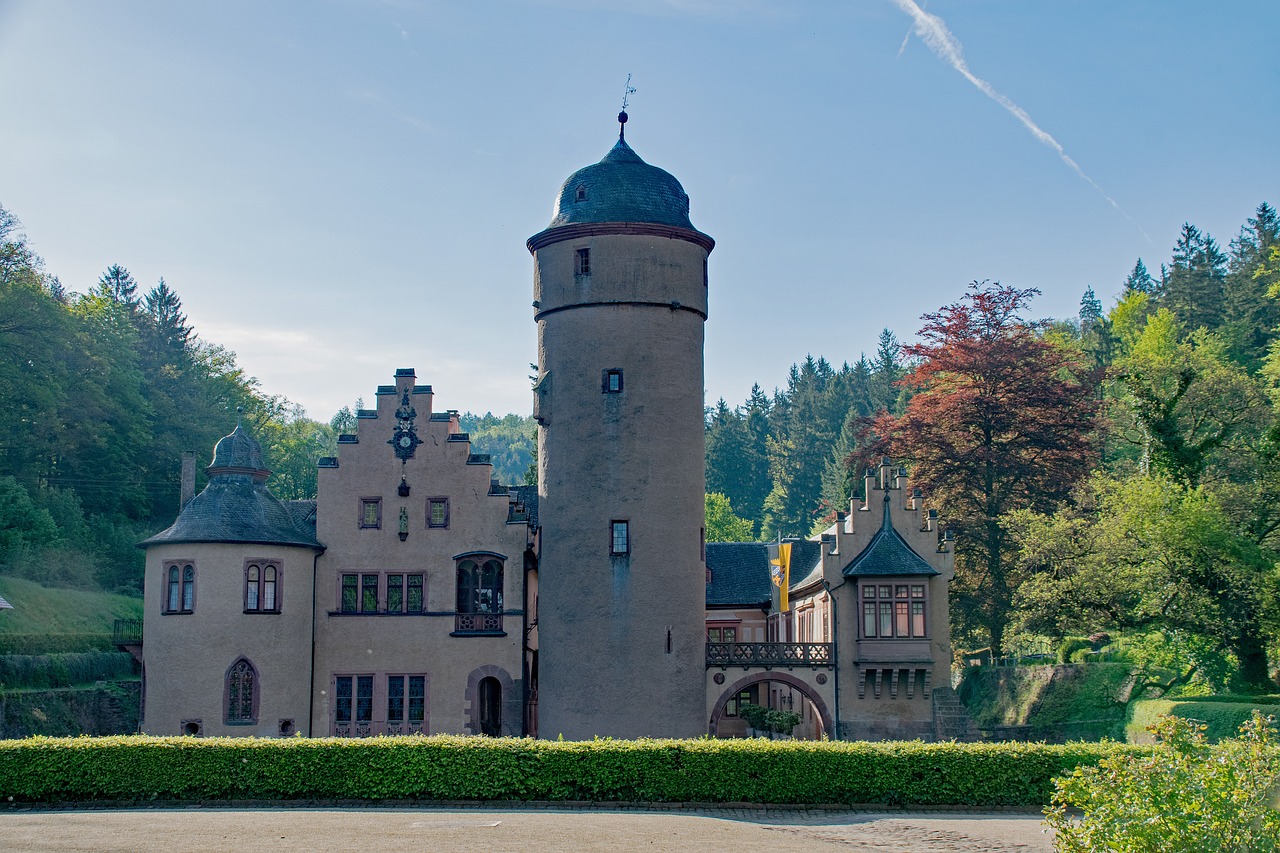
(417, 594)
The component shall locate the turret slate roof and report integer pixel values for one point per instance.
(622, 188)
(236, 505)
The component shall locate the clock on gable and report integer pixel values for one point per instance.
(404, 440)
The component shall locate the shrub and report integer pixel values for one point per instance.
(44, 644)
(1221, 717)
(444, 767)
(1070, 646)
(1185, 796)
(63, 670)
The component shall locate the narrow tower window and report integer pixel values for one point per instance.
(611, 381)
(582, 262)
(620, 537)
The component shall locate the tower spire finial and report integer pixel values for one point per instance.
(627, 91)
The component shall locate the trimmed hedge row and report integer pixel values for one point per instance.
(1222, 716)
(63, 670)
(446, 767)
(46, 644)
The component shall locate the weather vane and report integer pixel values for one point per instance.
(627, 91)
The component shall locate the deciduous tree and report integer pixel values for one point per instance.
(1001, 419)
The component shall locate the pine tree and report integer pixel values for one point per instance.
(1195, 286)
(1252, 315)
(116, 283)
(1139, 280)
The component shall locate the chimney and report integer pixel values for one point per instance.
(188, 479)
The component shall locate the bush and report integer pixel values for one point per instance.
(1070, 646)
(47, 644)
(63, 670)
(444, 767)
(1185, 796)
(1221, 717)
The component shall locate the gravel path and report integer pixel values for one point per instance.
(217, 830)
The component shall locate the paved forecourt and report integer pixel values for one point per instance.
(486, 830)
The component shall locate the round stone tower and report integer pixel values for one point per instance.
(620, 295)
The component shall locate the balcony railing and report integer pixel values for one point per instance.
(127, 632)
(769, 655)
(477, 623)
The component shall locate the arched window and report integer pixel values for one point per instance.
(251, 581)
(490, 706)
(261, 587)
(242, 694)
(188, 589)
(479, 594)
(179, 587)
(479, 586)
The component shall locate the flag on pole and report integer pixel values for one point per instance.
(780, 574)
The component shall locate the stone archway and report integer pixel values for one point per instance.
(508, 705)
(806, 690)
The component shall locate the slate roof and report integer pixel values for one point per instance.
(235, 508)
(622, 188)
(740, 570)
(888, 554)
(236, 505)
(303, 514)
(739, 573)
(528, 495)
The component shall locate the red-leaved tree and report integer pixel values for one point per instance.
(1002, 419)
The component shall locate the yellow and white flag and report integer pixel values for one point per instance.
(780, 574)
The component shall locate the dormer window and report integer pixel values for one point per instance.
(580, 194)
(582, 262)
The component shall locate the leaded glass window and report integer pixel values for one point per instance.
(395, 698)
(417, 698)
(415, 594)
(364, 698)
(350, 593)
(369, 593)
(342, 699)
(241, 687)
(395, 593)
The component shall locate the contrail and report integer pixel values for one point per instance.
(933, 31)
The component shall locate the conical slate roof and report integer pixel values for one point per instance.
(236, 505)
(888, 554)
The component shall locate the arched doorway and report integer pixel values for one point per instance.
(490, 698)
(774, 690)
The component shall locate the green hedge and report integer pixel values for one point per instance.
(1223, 716)
(63, 670)
(445, 767)
(46, 644)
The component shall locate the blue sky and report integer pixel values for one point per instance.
(343, 187)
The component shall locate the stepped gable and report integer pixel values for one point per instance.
(888, 554)
(236, 505)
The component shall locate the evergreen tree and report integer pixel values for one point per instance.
(1194, 287)
(886, 372)
(1252, 315)
(116, 283)
(1090, 311)
(1139, 281)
